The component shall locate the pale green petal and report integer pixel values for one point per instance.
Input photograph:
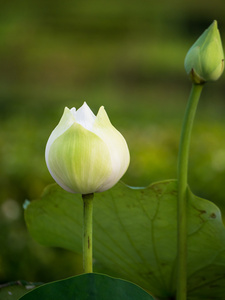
(79, 160)
(65, 122)
(192, 58)
(214, 61)
(117, 146)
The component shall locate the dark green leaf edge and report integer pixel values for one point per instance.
(90, 286)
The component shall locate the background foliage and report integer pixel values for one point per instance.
(127, 56)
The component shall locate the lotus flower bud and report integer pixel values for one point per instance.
(85, 153)
(205, 59)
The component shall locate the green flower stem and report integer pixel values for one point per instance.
(182, 190)
(87, 233)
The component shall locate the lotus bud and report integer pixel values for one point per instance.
(205, 59)
(85, 153)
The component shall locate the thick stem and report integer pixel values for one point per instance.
(182, 191)
(87, 232)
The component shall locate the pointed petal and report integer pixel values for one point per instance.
(117, 146)
(66, 121)
(85, 117)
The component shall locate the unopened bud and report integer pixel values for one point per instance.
(205, 59)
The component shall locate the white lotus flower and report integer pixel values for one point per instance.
(85, 153)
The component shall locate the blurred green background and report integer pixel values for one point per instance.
(125, 55)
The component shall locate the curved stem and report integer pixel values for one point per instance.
(182, 190)
(87, 232)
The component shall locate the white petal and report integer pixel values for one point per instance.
(119, 152)
(85, 117)
(73, 111)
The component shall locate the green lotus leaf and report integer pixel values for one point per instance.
(135, 236)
